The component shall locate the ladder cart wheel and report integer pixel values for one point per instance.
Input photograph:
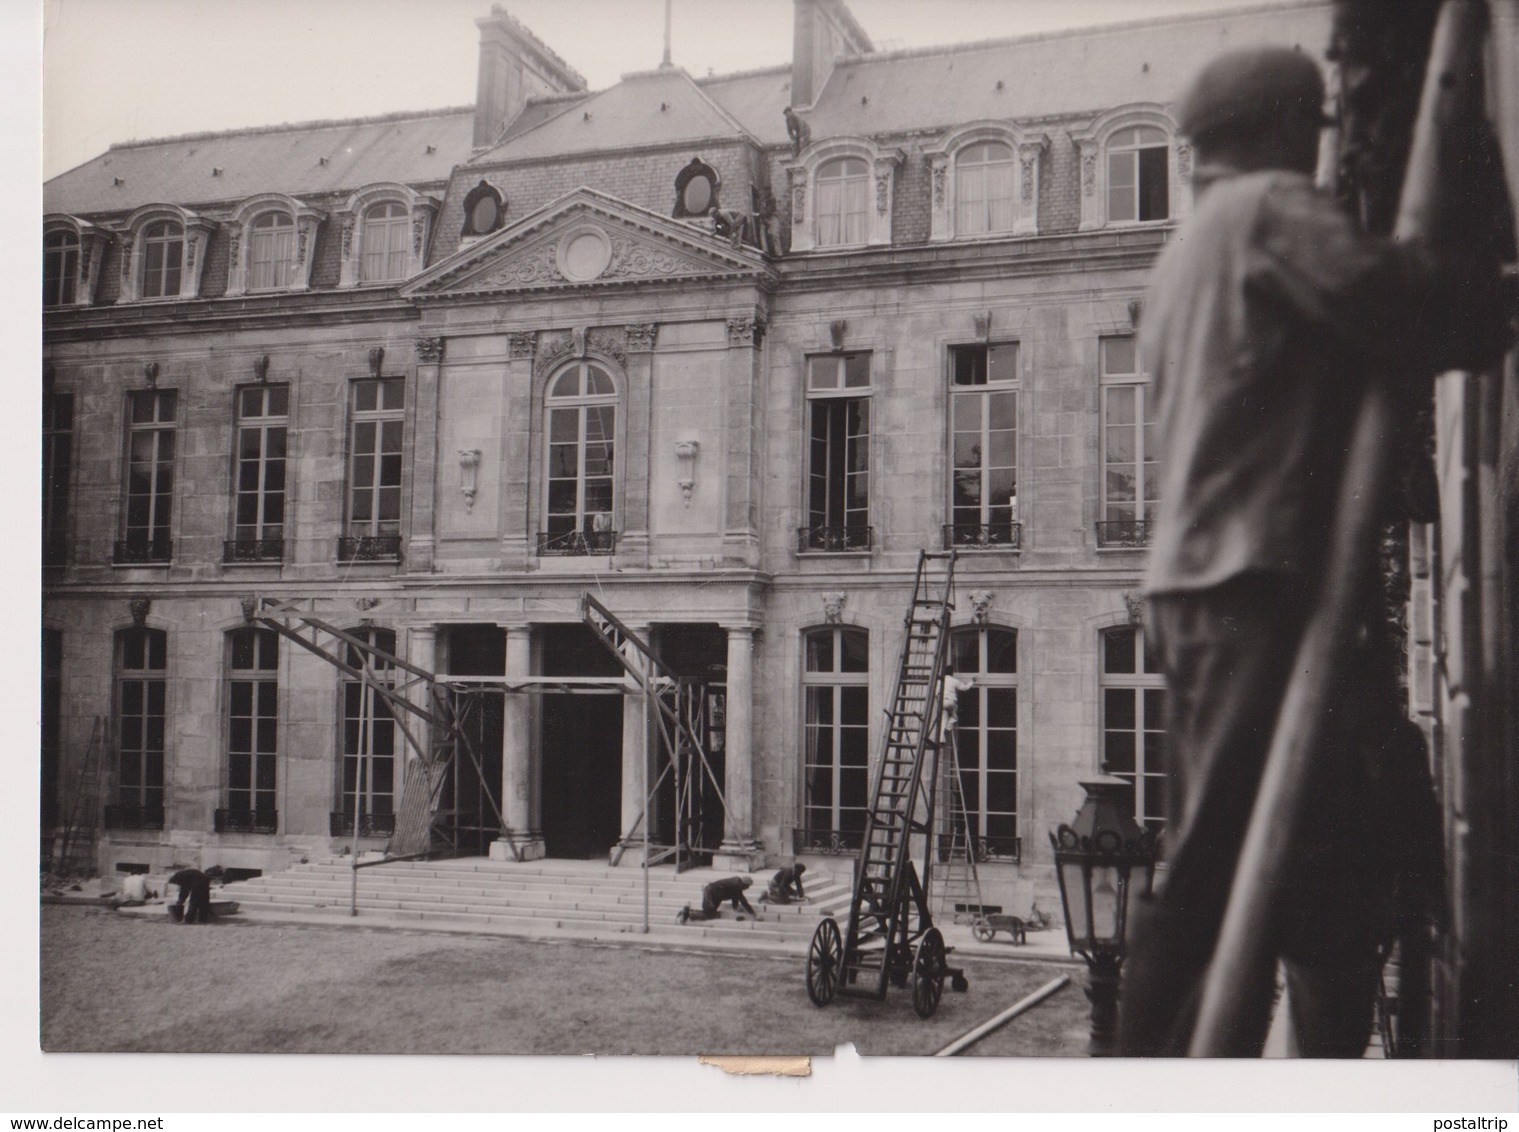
(824, 958)
(982, 930)
(928, 973)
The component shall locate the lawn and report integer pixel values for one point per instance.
(114, 983)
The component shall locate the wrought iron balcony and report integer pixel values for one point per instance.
(577, 542)
(134, 817)
(834, 539)
(247, 821)
(1123, 532)
(829, 842)
(983, 536)
(135, 551)
(340, 824)
(253, 550)
(369, 548)
(987, 848)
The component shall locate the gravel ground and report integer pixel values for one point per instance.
(114, 983)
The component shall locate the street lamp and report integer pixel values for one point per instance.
(1095, 857)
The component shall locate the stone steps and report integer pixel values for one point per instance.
(543, 896)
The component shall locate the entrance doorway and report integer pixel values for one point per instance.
(472, 796)
(580, 746)
(699, 654)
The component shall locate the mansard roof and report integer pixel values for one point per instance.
(305, 158)
(645, 109)
(1077, 71)
(755, 98)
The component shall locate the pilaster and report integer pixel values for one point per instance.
(742, 366)
(633, 544)
(422, 536)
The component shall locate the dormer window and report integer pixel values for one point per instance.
(271, 252)
(843, 187)
(385, 229)
(163, 257)
(984, 189)
(484, 210)
(696, 189)
(272, 244)
(1139, 175)
(1131, 170)
(60, 268)
(841, 194)
(386, 233)
(164, 253)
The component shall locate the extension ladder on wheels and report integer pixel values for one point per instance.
(890, 936)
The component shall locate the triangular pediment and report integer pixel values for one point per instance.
(587, 239)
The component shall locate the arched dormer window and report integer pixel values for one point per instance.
(696, 189)
(841, 194)
(1132, 171)
(165, 254)
(386, 229)
(72, 251)
(580, 480)
(273, 243)
(985, 182)
(484, 211)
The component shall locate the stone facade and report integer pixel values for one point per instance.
(706, 344)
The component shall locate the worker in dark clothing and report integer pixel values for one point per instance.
(1266, 317)
(194, 903)
(786, 885)
(730, 889)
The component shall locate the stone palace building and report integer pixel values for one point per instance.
(431, 376)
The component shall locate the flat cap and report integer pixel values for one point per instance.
(1243, 90)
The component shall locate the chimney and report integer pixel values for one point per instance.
(515, 65)
(821, 30)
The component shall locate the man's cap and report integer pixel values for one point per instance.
(1242, 91)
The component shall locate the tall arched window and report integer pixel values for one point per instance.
(60, 268)
(386, 240)
(985, 175)
(581, 427)
(986, 740)
(271, 252)
(367, 786)
(253, 701)
(1133, 721)
(163, 257)
(835, 738)
(142, 692)
(843, 189)
(1139, 174)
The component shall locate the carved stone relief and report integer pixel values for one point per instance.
(745, 331)
(640, 336)
(981, 605)
(430, 350)
(833, 607)
(520, 343)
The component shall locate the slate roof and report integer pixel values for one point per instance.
(648, 108)
(283, 159)
(1086, 70)
(755, 98)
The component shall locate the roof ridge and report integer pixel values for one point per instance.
(752, 72)
(1092, 29)
(314, 124)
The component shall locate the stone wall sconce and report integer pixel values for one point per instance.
(469, 477)
(836, 331)
(150, 374)
(261, 369)
(685, 457)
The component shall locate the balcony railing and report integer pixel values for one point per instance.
(1123, 532)
(987, 848)
(369, 548)
(829, 842)
(340, 824)
(983, 536)
(134, 551)
(253, 550)
(577, 542)
(834, 539)
(247, 821)
(134, 817)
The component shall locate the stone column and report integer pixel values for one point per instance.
(634, 780)
(517, 756)
(739, 851)
(422, 535)
(421, 650)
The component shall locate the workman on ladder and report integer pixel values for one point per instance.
(949, 710)
(1265, 317)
